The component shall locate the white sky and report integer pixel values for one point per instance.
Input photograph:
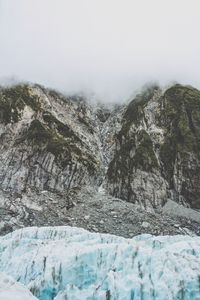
(109, 47)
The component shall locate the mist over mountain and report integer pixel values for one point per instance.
(105, 48)
(99, 150)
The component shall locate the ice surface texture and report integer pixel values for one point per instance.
(70, 263)
(12, 290)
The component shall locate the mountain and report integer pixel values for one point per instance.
(65, 161)
(71, 263)
(158, 148)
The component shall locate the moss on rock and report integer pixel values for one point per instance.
(57, 138)
(13, 100)
(180, 116)
(145, 157)
(135, 110)
(138, 142)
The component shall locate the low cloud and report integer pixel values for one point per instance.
(103, 48)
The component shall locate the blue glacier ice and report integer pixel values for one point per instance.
(68, 263)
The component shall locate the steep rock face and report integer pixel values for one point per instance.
(46, 140)
(157, 148)
(109, 126)
(180, 152)
(52, 147)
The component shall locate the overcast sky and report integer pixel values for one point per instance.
(108, 47)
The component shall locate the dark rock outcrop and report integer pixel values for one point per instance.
(47, 142)
(145, 152)
(158, 148)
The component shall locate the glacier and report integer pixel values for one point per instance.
(68, 263)
(12, 290)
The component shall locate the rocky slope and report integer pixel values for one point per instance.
(158, 149)
(56, 151)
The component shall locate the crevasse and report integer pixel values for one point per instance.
(71, 263)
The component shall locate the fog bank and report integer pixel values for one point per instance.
(100, 47)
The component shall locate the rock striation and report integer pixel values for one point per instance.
(157, 149)
(52, 146)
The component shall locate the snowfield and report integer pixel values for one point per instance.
(12, 290)
(71, 263)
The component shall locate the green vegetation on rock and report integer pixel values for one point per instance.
(57, 138)
(180, 116)
(145, 158)
(135, 110)
(137, 142)
(13, 100)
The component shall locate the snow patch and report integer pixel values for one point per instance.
(12, 290)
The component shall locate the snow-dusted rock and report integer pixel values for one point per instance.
(71, 263)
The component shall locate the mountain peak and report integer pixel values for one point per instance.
(145, 152)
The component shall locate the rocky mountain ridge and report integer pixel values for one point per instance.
(158, 147)
(54, 149)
